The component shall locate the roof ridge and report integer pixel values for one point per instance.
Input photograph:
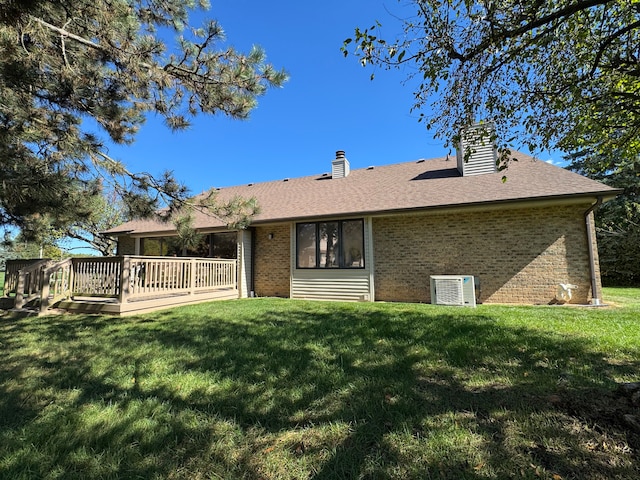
(324, 174)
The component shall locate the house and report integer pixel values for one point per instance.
(379, 233)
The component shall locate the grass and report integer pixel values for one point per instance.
(622, 296)
(279, 389)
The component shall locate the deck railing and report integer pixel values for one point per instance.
(55, 283)
(12, 274)
(157, 276)
(96, 277)
(127, 278)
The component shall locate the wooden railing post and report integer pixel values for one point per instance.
(45, 284)
(6, 285)
(22, 274)
(125, 279)
(71, 279)
(192, 276)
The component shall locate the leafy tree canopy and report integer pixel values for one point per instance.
(550, 74)
(76, 72)
(617, 221)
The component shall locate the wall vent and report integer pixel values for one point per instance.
(476, 141)
(453, 290)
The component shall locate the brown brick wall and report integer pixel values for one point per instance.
(126, 245)
(272, 261)
(520, 255)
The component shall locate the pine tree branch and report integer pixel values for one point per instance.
(65, 33)
(187, 203)
(175, 70)
(68, 34)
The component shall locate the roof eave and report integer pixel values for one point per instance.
(483, 205)
(572, 198)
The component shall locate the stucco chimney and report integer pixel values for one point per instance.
(340, 166)
(476, 152)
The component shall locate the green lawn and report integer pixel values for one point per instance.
(280, 389)
(622, 296)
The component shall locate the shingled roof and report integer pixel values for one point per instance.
(411, 186)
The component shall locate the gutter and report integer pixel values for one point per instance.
(595, 293)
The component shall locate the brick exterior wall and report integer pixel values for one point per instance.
(126, 245)
(272, 261)
(520, 255)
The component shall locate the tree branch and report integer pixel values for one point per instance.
(527, 27)
(608, 42)
(68, 34)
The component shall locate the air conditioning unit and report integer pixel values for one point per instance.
(453, 290)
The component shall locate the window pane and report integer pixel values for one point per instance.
(353, 244)
(329, 245)
(306, 245)
(151, 246)
(200, 249)
(171, 247)
(161, 246)
(225, 245)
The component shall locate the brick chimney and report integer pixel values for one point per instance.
(476, 143)
(340, 166)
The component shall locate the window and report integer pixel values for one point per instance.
(217, 245)
(199, 248)
(338, 244)
(224, 245)
(160, 246)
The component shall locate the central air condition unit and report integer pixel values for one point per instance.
(453, 290)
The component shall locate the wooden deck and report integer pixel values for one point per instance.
(119, 285)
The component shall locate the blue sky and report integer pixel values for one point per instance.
(328, 104)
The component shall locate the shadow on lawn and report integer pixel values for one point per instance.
(387, 371)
